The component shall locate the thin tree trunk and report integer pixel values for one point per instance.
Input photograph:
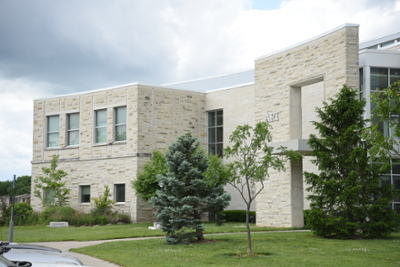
(249, 248)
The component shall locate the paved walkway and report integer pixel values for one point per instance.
(65, 246)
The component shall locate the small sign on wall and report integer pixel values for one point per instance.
(272, 116)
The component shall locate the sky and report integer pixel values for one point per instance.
(55, 47)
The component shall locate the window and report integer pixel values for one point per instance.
(119, 192)
(393, 178)
(120, 124)
(215, 132)
(53, 129)
(85, 193)
(73, 129)
(101, 126)
(48, 196)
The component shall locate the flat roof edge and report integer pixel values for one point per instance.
(115, 87)
(311, 39)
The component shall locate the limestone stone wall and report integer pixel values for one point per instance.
(281, 81)
(155, 117)
(238, 106)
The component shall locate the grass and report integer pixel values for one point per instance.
(25, 234)
(279, 249)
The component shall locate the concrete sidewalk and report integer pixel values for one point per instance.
(65, 246)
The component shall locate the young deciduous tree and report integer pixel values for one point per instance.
(347, 200)
(185, 195)
(250, 159)
(385, 114)
(50, 187)
(146, 183)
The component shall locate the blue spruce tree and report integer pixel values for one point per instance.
(185, 195)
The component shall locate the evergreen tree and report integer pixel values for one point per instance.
(185, 195)
(347, 199)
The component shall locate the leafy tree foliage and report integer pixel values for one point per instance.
(346, 197)
(385, 113)
(185, 195)
(146, 183)
(22, 186)
(50, 187)
(250, 159)
(103, 205)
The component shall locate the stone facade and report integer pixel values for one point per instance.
(293, 82)
(286, 89)
(155, 117)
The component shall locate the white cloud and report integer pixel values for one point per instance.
(16, 120)
(59, 47)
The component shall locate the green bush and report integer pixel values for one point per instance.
(238, 216)
(22, 213)
(54, 214)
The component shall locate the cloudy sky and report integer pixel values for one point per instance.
(53, 47)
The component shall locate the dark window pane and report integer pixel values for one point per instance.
(220, 150)
(379, 78)
(211, 149)
(396, 168)
(220, 118)
(220, 134)
(397, 208)
(211, 119)
(85, 194)
(120, 193)
(211, 135)
(394, 75)
(385, 180)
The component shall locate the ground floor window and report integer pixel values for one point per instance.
(119, 192)
(85, 193)
(393, 178)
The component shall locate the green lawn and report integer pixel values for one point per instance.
(42, 233)
(282, 249)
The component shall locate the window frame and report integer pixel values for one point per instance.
(72, 130)
(82, 197)
(116, 193)
(218, 132)
(98, 127)
(51, 133)
(118, 124)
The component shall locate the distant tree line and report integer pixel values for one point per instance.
(22, 186)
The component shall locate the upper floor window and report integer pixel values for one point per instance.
(120, 124)
(101, 126)
(73, 129)
(119, 192)
(53, 131)
(215, 132)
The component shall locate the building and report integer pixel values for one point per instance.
(103, 137)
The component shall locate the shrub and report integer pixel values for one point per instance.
(22, 213)
(57, 214)
(102, 205)
(239, 216)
